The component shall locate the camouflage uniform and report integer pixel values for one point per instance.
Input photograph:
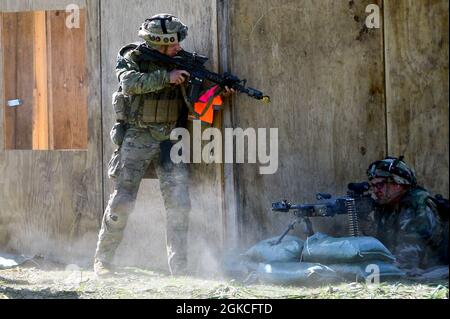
(156, 107)
(412, 230)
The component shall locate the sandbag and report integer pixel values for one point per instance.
(11, 261)
(365, 271)
(321, 248)
(435, 273)
(295, 273)
(288, 250)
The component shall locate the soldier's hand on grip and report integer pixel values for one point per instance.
(178, 76)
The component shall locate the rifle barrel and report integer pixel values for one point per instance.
(196, 69)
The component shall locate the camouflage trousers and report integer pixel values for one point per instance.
(127, 168)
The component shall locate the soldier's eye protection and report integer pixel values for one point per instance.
(379, 185)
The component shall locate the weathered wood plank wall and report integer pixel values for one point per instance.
(51, 201)
(324, 72)
(144, 241)
(417, 87)
(327, 74)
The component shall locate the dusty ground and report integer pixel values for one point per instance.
(33, 280)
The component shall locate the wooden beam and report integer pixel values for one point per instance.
(51, 140)
(24, 80)
(224, 120)
(40, 105)
(9, 44)
(2, 96)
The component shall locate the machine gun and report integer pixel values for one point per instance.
(194, 64)
(357, 201)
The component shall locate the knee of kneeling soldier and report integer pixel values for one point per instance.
(116, 222)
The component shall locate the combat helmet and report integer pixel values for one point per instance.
(394, 168)
(163, 29)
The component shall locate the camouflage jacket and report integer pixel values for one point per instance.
(412, 230)
(134, 81)
(155, 103)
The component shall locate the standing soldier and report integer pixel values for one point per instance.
(148, 104)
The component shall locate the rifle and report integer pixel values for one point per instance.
(194, 64)
(357, 201)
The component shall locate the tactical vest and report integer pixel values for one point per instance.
(162, 107)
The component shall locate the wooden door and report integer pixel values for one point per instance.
(51, 200)
(45, 81)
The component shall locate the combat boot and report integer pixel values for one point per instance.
(102, 269)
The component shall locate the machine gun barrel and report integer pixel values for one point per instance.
(357, 202)
(303, 210)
